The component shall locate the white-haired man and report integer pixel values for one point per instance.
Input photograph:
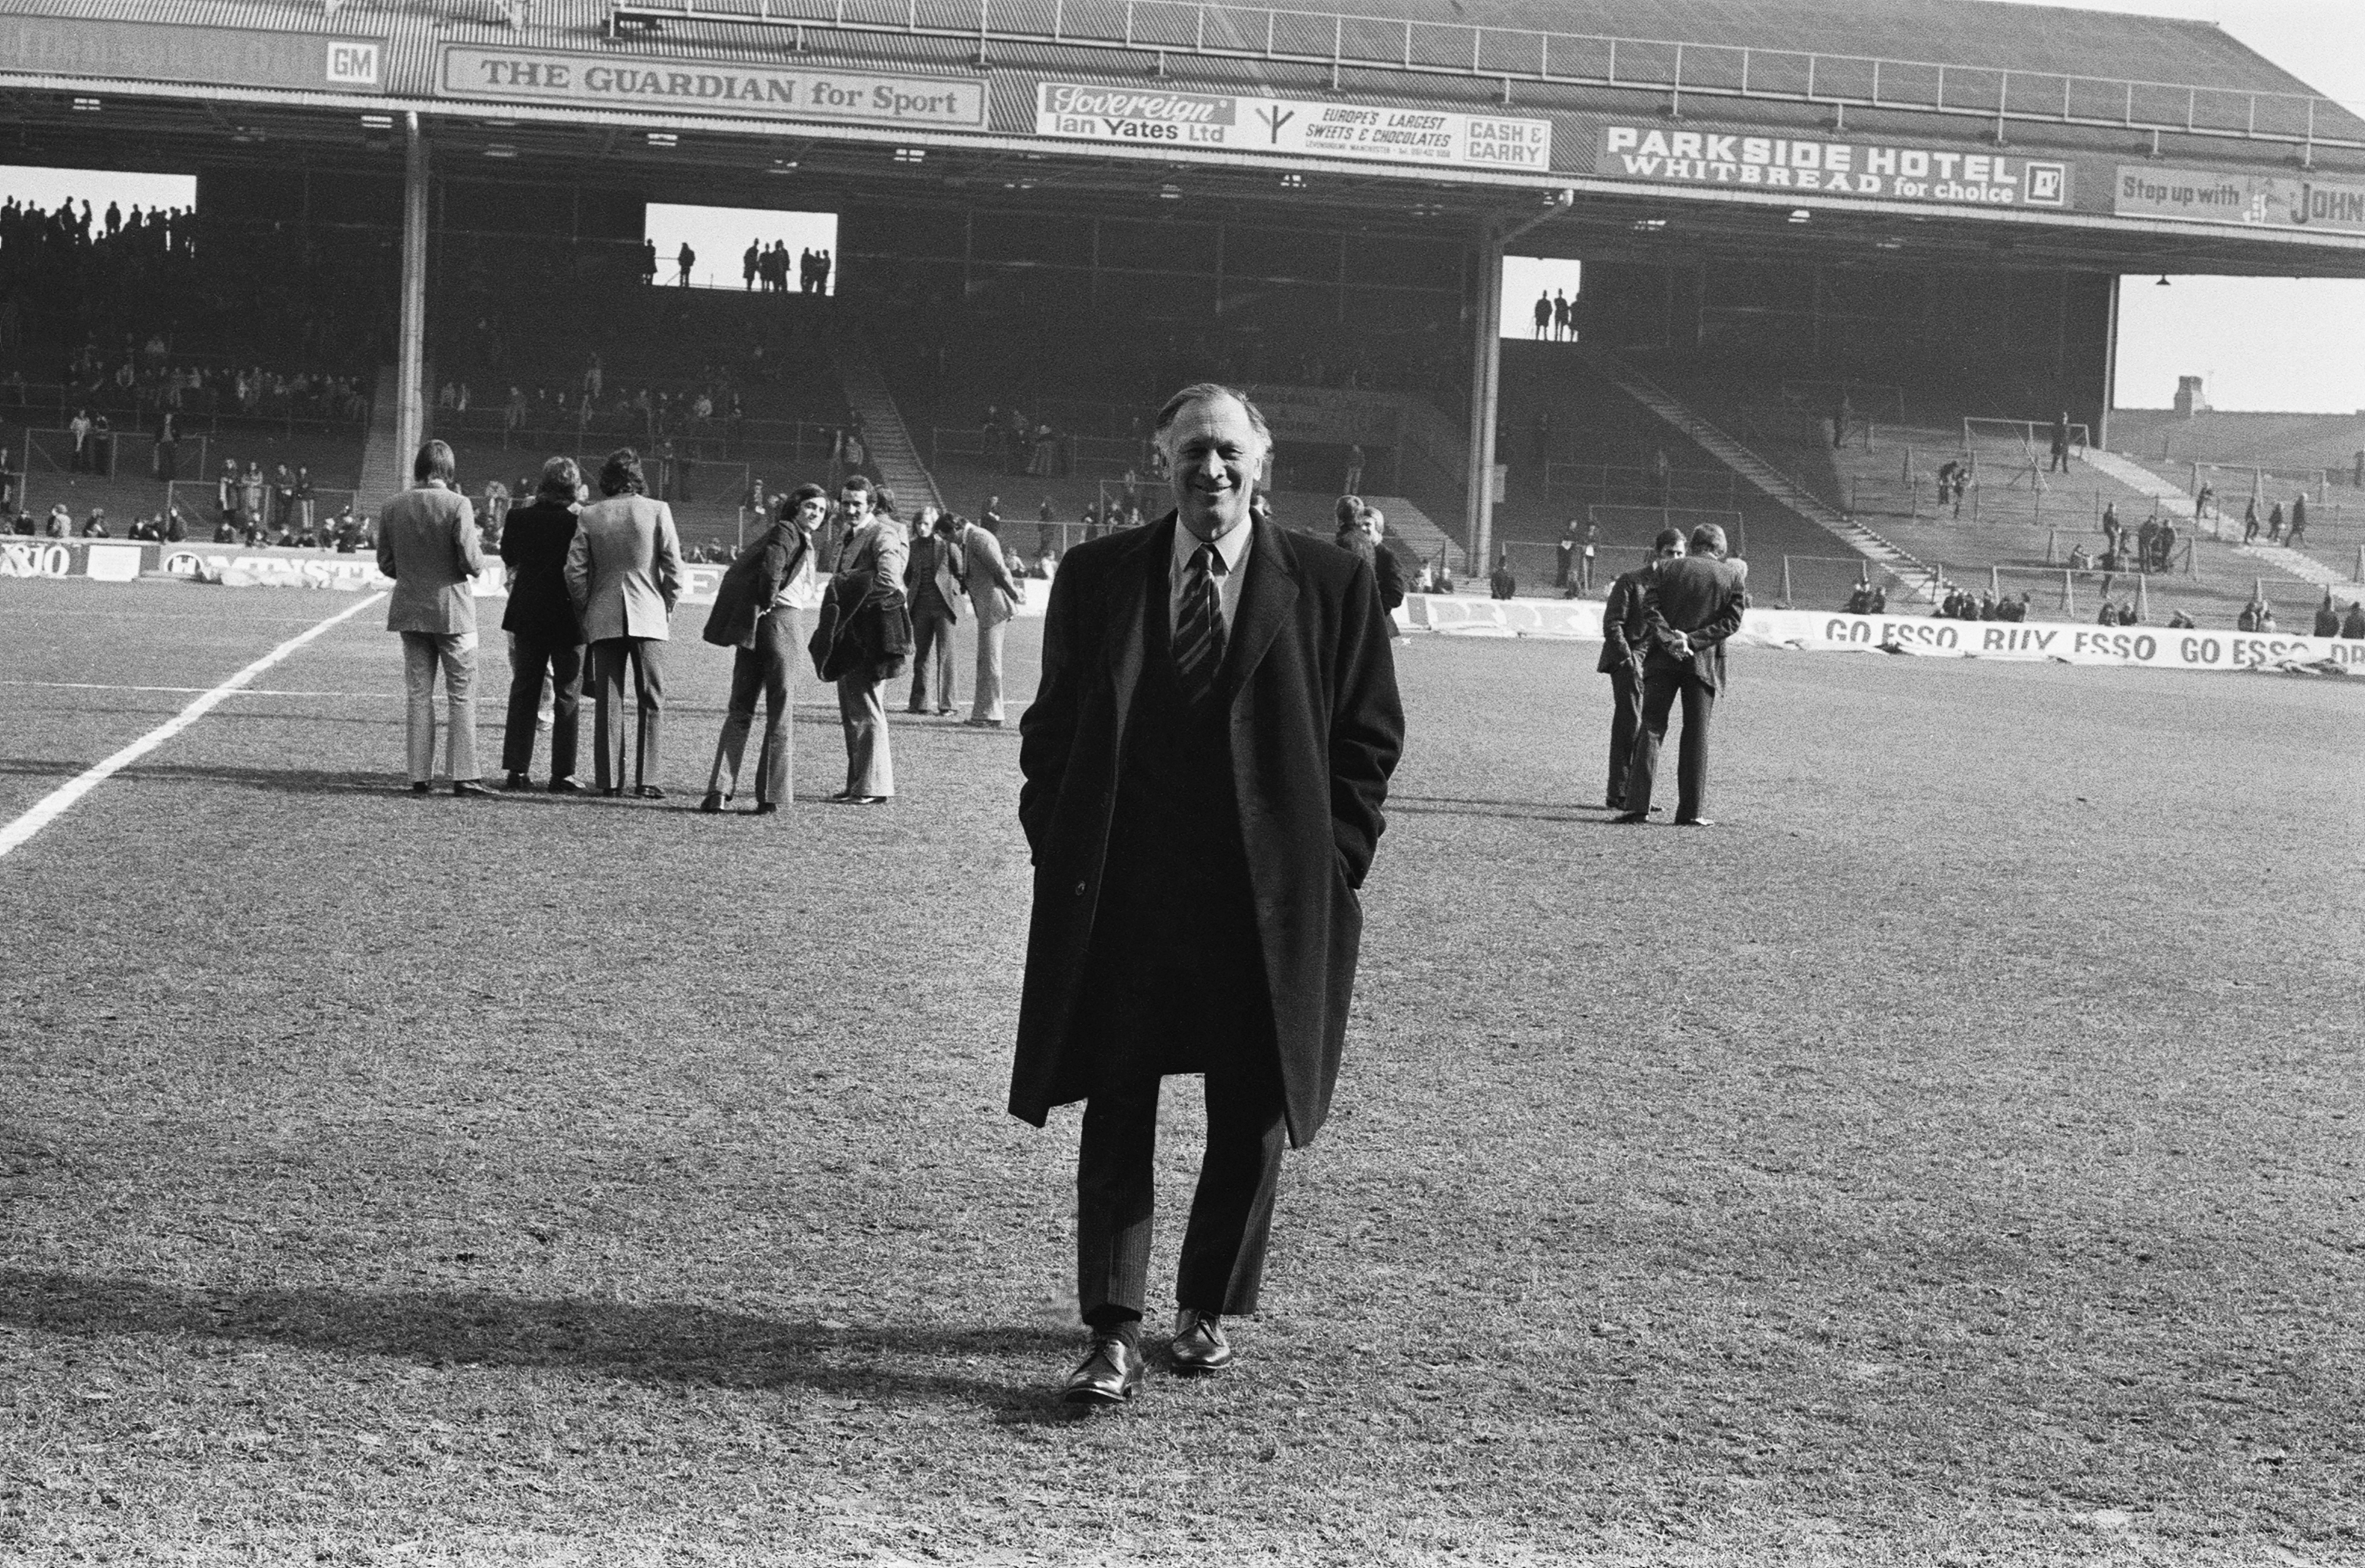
(1205, 761)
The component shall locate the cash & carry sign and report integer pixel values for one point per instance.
(1814, 166)
(583, 79)
(1156, 117)
(2251, 201)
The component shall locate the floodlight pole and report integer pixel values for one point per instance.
(1486, 374)
(410, 347)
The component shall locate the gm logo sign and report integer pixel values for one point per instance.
(2049, 184)
(353, 64)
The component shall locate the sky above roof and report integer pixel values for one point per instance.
(2282, 343)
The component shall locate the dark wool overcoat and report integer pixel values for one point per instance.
(1316, 727)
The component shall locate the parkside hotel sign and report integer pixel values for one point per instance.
(1144, 117)
(1819, 167)
(604, 80)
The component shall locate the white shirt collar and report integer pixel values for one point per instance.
(1232, 547)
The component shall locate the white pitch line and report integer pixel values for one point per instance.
(179, 690)
(54, 804)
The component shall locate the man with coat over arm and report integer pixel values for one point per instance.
(1204, 763)
(1688, 607)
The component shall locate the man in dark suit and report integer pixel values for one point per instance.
(545, 630)
(1688, 607)
(1622, 660)
(1205, 761)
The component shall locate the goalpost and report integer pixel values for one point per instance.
(2024, 445)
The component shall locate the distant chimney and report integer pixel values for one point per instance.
(2189, 400)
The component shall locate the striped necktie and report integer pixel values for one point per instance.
(1199, 638)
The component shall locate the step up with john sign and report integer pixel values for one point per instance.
(1804, 630)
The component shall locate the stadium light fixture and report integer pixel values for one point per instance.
(86, 106)
(911, 154)
(1801, 214)
(377, 123)
(1293, 182)
(500, 149)
(664, 138)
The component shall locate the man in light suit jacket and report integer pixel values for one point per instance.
(427, 544)
(1688, 607)
(993, 595)
(1206, 765)
(623, 571)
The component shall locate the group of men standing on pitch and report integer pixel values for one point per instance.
(1663, 634)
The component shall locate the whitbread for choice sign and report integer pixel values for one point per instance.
(1157, 117)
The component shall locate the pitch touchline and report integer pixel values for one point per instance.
(181, 690)
(54, 804)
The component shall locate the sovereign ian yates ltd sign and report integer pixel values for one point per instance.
(1150, 116)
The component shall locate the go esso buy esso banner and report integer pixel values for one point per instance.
(2153, 647)
(1814, 165)
(1155, 117)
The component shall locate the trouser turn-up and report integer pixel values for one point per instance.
(610, 657)
(1660, 690)
(532, 662)
(869, 765)
(1224, 1244)
(456, 653)
(762, 672)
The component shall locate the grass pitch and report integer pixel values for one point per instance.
(1950, 1159)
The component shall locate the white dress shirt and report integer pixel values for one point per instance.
(1231, 548)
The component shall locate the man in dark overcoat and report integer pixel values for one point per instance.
(1622, 660)
(1689, 607)
(1205, 761)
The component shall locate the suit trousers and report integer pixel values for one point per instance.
(761, 671)
(1660, 685)
(931, 663)
(456, 653)
(1224, 1245)
(1625, 718)
(610, 657)
(533, 661)
(870, 762)
(987, 703)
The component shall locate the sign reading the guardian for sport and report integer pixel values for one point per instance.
(1155, 117)
(608, 81)
(2265, 201)
(161, 51)
(1819, 167)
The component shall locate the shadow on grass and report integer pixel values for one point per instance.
(1520, 811)
(663, 1342)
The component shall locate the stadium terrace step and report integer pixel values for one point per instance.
(383, 470)
(2292, 563)
(1921, 580)
(2142, 480)
(1412, 533)
(893, 451)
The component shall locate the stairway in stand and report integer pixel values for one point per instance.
(384, 471)
(1921, 580)
(893, 451)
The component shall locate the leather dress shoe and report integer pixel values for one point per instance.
(564, 787)
(612, 791)
(1632, 817)
(1695, 822)
(766, 808)
(517, 781)
(1200, 1346)
(1110, 1372)
(712, 804)
(420, 787)
(982, 723)
(467, 787)
(649, 792)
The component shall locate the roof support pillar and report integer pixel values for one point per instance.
(2102, 430)
(410, 343)
(1486, 395)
